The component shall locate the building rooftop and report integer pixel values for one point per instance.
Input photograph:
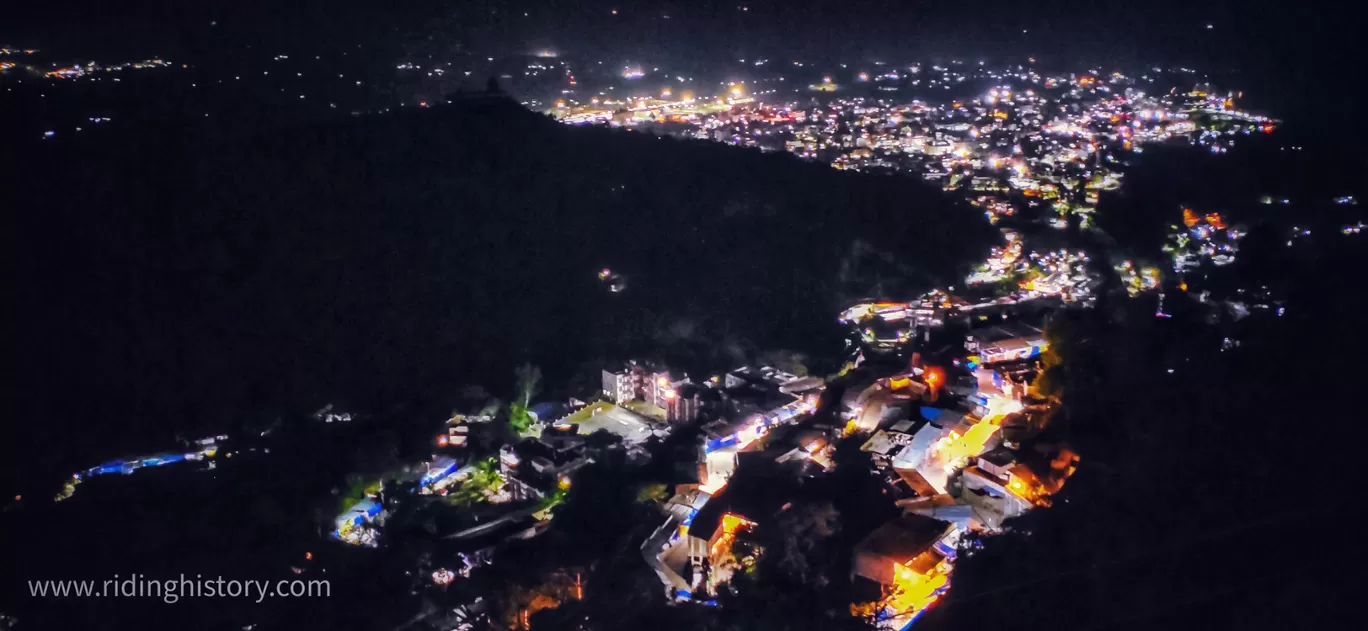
(903, 538)
(1001, 457)
(1010, 329)
(757, 490)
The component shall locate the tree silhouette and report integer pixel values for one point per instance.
(529, 385)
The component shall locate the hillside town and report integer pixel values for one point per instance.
(1029, 148)
(936, 395)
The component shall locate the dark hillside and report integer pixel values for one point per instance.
(174, 281)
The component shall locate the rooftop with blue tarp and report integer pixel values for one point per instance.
(440, 468)
(360, 512)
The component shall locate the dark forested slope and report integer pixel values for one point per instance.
(179, 280)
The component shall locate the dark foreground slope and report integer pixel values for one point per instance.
(164, 283)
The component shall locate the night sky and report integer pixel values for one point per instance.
(1250, 34)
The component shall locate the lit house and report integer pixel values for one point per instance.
(911, 557)
(756, 401)
(1010, 341)
(677, 398)
(1000, 488)
(758, 492)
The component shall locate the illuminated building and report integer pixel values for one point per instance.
(760, 490)
(677, 400)
(1000, 488)
(683, 403)
(1009, 341)
(438, 469)
(911, 557)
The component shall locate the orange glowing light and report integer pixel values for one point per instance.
(732, 522)
(308, 556)
(1189, 218)
(916, 591)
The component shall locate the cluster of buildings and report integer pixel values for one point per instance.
(891, 326)
(76, 71)
(201, 450)
(967, 466)
(357, 524)
(668, 397)
(738, 415)
(1014, 142)
(5, 51)
(1027, 148)
(965, 462)
(1201, 239)
(732, 409)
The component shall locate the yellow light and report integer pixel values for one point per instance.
(732, 522)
